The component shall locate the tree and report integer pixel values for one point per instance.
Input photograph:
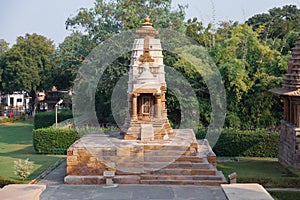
(69, 56)
(28, 65)
(277, 22)
(249, 67)
(278, 27)
(203, 35)
(111, 17)
(3, 47)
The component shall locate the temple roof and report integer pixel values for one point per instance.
(291, 81)
(147, 29)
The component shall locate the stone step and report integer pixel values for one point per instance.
(166, 147)
(177, 153)
(175, 171)
(129, 171)
(183, 182)
(147, 132)
(178, 165)
(130, 165)
(180, 177)
(160, 158)
(193, 159)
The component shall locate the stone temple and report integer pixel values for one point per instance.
(148, 150)
(147, 89)
(289, 143)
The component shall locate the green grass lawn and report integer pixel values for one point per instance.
(16, 143)
(265, 171)
(285, 195)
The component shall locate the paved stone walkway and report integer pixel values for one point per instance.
(134, 192)
(56, 190)
(56, 177)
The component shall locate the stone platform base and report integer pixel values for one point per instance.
(21, 192)
(180, 160)
(250, 191)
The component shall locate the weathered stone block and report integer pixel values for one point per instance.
(72, 158)
(69, 152)
(147, 132)
(93, 159)
(75, 163)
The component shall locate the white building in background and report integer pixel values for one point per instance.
(17, 101)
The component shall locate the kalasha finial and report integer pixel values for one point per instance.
(147, 22)
(147, 19)
(147, 29)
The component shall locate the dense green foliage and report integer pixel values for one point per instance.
(46, 119)
(47, 140)
(27, 65)
(249, 68)
(252, 143)
(277, 23)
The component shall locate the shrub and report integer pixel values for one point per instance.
(48, 140)
(22, 169)
(13, 119)
(46, 119)
(249, 143)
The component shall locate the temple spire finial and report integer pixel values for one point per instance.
(147, 29)
(147, 19)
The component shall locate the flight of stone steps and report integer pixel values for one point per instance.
(177, 165)
(179, 160)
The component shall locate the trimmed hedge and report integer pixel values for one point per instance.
(46, 119)
(6, 181)
(248, 143)
(49, 140)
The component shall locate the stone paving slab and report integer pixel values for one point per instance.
(21, 192)
(246, 192)
(134, 192)
(55, 177)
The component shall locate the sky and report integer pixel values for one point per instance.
(47, 17)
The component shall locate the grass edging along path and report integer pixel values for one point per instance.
(285, 195)
(265, 171)
(15, 144)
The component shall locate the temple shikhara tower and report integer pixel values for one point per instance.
(148, 150)
(289, 143)
(147, 89)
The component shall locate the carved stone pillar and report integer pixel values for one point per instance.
(134, 106)
(158, 106)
